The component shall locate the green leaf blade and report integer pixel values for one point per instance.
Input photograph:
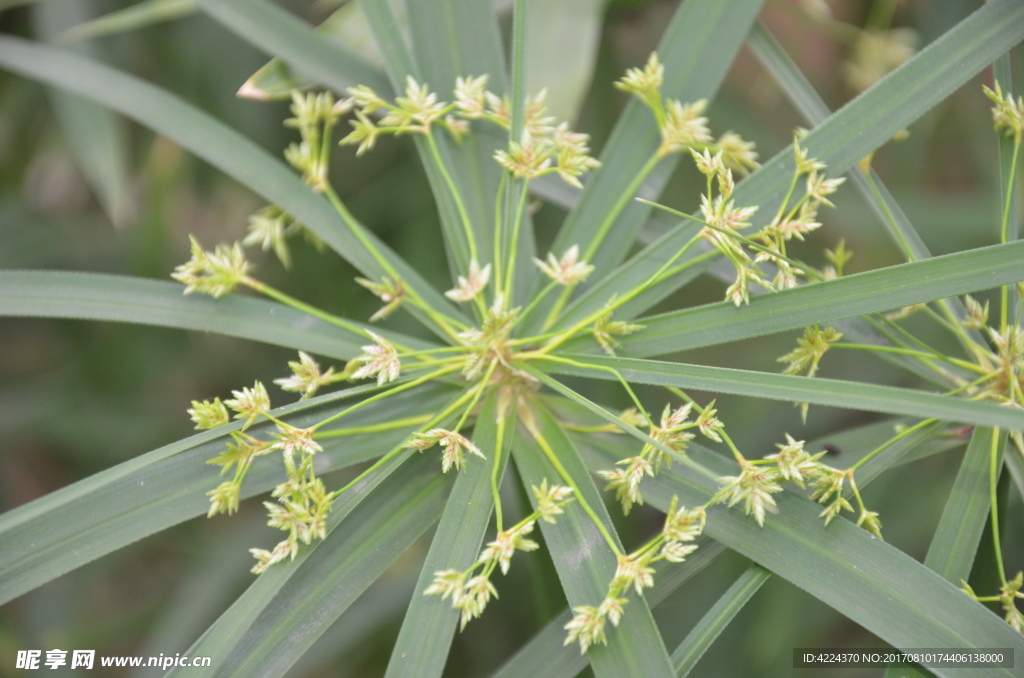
(846, 297)
(832, 392)
(426, 635)
(585, 564)
(956, 539)
(696, 643)
(95, 296)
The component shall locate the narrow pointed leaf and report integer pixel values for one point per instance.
(104, 512)
(134, 17)
(853, 295)
(832, 392)
(347, 26)
(430, 622)
(94, 296)
(956, 540)
(697, 642)
(97, 139)
(275, 31)
(634, 647)
(562, 41)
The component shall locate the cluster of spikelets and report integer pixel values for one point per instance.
(754, 486)
(544, 148)
(683, 127)
(303, 502)
(471, 589)
(487, 354)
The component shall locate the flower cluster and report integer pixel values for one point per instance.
(306, 376)
(270, 228)
(303, 502)
(1008, 114)
(315, 116)
(451, 442)
(1009, 592)
(682, 126)
(488, 346)
(379, 359)
(568, 270)
(471, 590)
(798, 220)
(671, 435)
(635, 571)
(215, 273)
(387, 290)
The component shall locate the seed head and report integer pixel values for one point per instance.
(1007, 114)
(364, 132)
(604, 328)
(754, 486)
(633, 570)
(470, 95)
(471, 285)
(527, 159)
(215, 273)
(682, 524)
(447, 583)
(452, 443)
(379, 359)
(292, 439)
(306, 376)
(390, 292)
(224, 498)
(506, 543)
(249, 404)
(567, 270)
(267, 229)
(586, 627)
(810, 349)
(551, 501)
(709, 165)
(793, 462)
(645, 83)
(684, 125)
(977, 315)
(208, 414)
(737, 154)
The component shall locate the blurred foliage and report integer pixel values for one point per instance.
(78, 397)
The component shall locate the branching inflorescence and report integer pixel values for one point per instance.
(991, 367)
(496, 355)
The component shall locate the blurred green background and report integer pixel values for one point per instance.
(80, 190)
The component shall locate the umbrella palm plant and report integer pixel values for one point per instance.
(490, 387)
